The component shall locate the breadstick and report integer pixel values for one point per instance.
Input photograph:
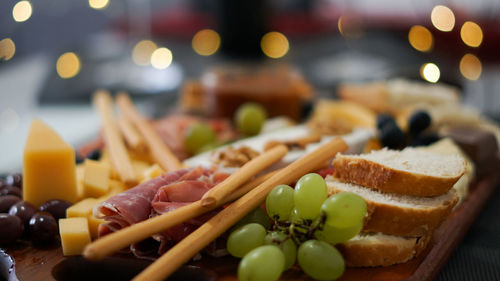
(131, 135)
(113, 140)
(158, 149)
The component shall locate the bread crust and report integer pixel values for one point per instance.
(399, 220)
(385, 179)
(366, 253)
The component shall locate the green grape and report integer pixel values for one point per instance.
(250, 118)
(294, 217)
(279, 202)
(198, 136)
(245, 239)
(334, 235)
(344, 209)
(258, 216)
(288, 247)
(310, 192)
(265, 263)
(320, 260)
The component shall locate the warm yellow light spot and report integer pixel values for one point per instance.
(68, 65)
(350, 26)
(141, 54)
(22, 11)
(430, 72)
(7, 49)
(161, 58)
(470, 67)
(442, 18)
(274, 45)
(471, 34)
(420, 38)
(98, 4)
(206, 42)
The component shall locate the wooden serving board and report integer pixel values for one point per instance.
(37, 264)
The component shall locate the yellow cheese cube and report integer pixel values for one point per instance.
(116, 187)
(82, 208)
(75, 235)
(139, 168)
(106, 161)
(80, 173)
(49, 167)
(94, 225)
(152, 172)
(96, 179)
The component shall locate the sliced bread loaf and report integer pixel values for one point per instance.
(369, 250)
(409, 172)
(397, 214)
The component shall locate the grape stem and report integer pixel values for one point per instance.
(299, 232)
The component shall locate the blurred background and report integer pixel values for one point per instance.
(55, 53)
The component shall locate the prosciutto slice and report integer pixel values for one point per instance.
(160, 195)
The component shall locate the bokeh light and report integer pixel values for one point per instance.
(7, 49)
(68, 65)
(22, 11)
(274, 45)
(161, 58)
(442, 18)
(98, 4)
(430, 72)
(350, 26)
(471, 34)
(206, 42)
(420, 38)
(470, 67)
(141, 54)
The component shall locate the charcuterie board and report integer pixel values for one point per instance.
(45, 263)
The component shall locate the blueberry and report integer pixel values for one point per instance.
(419, 121)
(94, 154)
(384, 119)
(391, 136)
(78, 159)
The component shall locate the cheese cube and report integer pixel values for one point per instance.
(116, 187)
(75, 235)
(49, 167)
(106, 161)
(94, 225)
(96, 179)
(80, 173)
(82, 208)
(139, 168)
(152, 172)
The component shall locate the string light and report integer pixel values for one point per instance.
(161, 58)
(206, 42)
(98, 4)
(420, 38)
(68, 65)
(430, 72)
(472, 34)
(470, 67)
(22, 11)
(141, 54)
(7, 49)
(442, 18)
(274, 45)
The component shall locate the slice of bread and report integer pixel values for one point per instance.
(369, 250)
(410, 171)
(396, 214)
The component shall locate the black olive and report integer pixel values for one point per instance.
(24, 210)
(11, 228)
(11, 190)
(94, 154)
(15, 180)
(384, 119)
(57, 208)
(391, 136)
(43, 228)
(7, 201)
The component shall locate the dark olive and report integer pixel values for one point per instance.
(24, 210)
(419, 121)
(391, 136)
(94, 154)
(43, 228)
(11, 190)
(384, 119)
(15, 180)
(56, 208)
(11, 228)
(7, 201)
(78, 159)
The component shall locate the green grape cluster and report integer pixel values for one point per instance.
(306, 224)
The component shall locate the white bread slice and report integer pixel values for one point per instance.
(395, 214)
(410, 171)
(369, 250)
